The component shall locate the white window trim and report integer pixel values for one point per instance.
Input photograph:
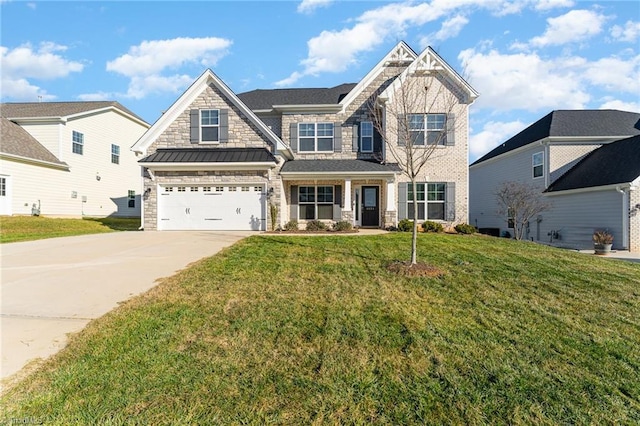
(201, 126)
(425, 132)
(534, 165)
(316, 203)
(315, 137)
(362, 136)
(115, 155)
(426, 201)
(75, 143)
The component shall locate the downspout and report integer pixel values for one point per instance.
(625, 216)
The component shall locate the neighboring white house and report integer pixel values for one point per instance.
(69, 159)
(587, 164)
(215, 159)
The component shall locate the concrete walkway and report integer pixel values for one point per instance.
(617, 254)
(56, 286)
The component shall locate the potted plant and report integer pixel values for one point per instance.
(602, 242)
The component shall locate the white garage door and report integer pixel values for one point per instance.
(214, 208)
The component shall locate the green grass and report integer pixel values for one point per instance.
(27, 228)
(315, 330)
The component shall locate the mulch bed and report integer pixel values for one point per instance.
(420, 269)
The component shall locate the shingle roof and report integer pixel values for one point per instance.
(210, 155)
(337, 166)
(266, 99)
(17, 141)
(605, 123)
(56, 109)
(613, 163)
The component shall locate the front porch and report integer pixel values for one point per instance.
(361, 194)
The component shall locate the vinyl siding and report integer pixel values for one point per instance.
(48, 134)
(54, 188)
(577, 216)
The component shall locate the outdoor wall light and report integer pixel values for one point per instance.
(98, 176)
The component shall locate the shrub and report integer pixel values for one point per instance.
(429, 226)
(391, 228)
(506, 234)
(405, 225)
(316, 225)
(465, 228)
(342, 225)
(292, 225)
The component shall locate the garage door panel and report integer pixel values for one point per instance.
(217, 208)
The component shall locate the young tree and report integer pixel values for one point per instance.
(520, 202)
(414, 116)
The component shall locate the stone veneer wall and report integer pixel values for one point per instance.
(634, 221)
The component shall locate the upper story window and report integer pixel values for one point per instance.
(431, 128)
(538, 164)
(314, 137)
(366, 136)
(115, 154)
(77, 142)
(210, 125)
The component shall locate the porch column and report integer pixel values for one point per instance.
(391, 196)
(347, 195)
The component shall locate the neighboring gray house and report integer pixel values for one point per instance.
(587, 162)
(216, 160)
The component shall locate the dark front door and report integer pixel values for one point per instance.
(370, 206)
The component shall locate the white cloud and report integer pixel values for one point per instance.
(309, 6)
(630, 32)
(449, 29)
(98, 96)
(145, 64)
(23, 63)
(524, 81)
(621, 105)
(615, 74)
(573, 26)
(552, 4)
(493, 133)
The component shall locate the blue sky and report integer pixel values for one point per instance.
(526, 58)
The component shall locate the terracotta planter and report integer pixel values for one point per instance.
(602, 248)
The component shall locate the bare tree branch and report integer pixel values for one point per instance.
(520, 202)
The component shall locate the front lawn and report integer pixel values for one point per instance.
(27, 228)
(316, 330)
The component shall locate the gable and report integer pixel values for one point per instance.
(18, 144)
(207, 92)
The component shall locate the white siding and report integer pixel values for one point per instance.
(54, 188)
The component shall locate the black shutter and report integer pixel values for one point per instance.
(194, 117)
(293, 213)
(293, 136)
(337, 203)
(355, 137)
(450, 201)
(377, 140)
(451, 130)
(337, 137)
(224, 125)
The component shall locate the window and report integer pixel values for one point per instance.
(210, 125)
(194, 189)
(206, 189)
(3, 187)
(366, 136)
(430, 199)
(510, 218)
(168, 189)
(115, 154)
(245, 189)
(315, 202)
(257, 188)
(315, 137)
(429, 127)
(77, 145)
(233, 188)
(131, 196)
(219, 188)
(538, 164)
(182, 189)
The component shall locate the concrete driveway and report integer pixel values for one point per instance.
(56, 286)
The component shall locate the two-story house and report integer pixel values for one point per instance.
(585, 165)
(216, 160)
(70, 159)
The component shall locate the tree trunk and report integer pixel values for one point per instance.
(414, 236)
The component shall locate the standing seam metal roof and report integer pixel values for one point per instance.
(210, 155)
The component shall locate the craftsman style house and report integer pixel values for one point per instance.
(587, 165)
(216, 160)
(69, 159)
